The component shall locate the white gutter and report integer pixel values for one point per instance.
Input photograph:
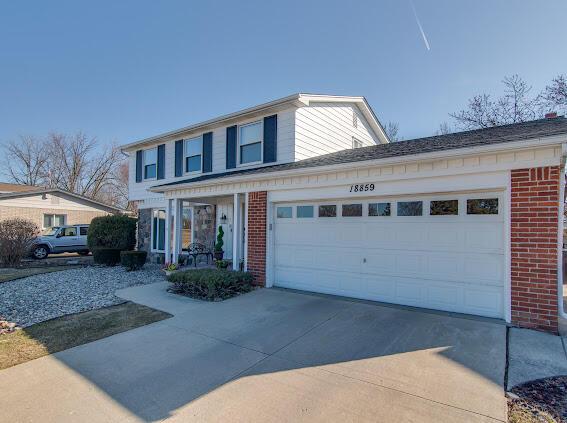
(314, 170)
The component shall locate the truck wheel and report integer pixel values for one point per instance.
(40, 252)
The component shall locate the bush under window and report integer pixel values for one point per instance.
(106, 256)
(133, 260)
(210, 284)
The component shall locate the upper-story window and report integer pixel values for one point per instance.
(193, 154)
(356, 143)
(150, 163)
(250, 141)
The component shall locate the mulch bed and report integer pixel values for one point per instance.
(542, 400)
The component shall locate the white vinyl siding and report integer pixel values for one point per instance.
(328, 127)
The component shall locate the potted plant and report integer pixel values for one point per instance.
(218, 253)
(169, 268)
(222, 264)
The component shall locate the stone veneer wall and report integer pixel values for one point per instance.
(204, 230)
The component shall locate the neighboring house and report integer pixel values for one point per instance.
(466, 222)
(49, 207)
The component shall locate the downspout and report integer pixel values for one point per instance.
(561, 216)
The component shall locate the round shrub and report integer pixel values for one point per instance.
(106, 256)
(133, 260)
(113, 231)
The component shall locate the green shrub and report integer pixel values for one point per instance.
(106, 256)
(133, 260)
(210, 284)
(220, 242)
(113, 231)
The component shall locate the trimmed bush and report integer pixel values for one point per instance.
(133, 260)
(106, 256)
(113, 231)
(16, 238)
(210, 284)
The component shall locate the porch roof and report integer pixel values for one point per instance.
(467, 139)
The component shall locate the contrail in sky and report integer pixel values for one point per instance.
(420, 27)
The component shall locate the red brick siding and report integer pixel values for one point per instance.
(256, 233)
(534, 235)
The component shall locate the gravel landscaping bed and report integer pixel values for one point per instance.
(42, 297)
(543, 400)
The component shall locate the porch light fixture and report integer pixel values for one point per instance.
(223, 218)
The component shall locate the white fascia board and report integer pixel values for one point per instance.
(437, 155)
(294, 100)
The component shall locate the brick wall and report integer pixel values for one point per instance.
(535, 219)
(36, 214)
(256, 234)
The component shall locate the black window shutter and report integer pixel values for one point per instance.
(179, 158)
(139, 165)
(231, 147)
(161, 161)
(208, 152)
(270, 138)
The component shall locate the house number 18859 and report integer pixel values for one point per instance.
(361, 187)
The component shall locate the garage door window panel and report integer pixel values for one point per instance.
(304, 212)
(328, 211)
(410, 208)
(379, 209)
(284, 212)
(482, 206)
(352, 210)
(444, 208)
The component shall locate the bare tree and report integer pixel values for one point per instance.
(392, 129)
(443, 129)
(26, 160)
(515, 105)
(554, 97)
(75, 163)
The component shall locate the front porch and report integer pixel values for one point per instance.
(197, 220)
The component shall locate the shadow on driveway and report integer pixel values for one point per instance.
(274, 355)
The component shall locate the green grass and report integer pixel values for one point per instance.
(13, 274)
(70, 331)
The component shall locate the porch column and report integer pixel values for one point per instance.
(168, 214)
(175, 250)
(236, 233)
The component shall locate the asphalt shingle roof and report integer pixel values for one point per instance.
(466, 139)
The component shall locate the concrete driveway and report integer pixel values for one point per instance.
(270, 355)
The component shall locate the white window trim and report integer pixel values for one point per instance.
(194, 172)
(53, 215)
(144, 164)
(238, 164)
(152, 249)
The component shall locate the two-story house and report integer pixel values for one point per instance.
(311, 195)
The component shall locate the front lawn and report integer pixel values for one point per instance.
(72, 330)
(210, 284)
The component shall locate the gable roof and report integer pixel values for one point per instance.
(41, 191)
(467, 139)
(298, 100)
(6, 187)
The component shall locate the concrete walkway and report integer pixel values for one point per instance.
(270, 355)
(534, 355)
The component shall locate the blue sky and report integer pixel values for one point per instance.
(124, 70)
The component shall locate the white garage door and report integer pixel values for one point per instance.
(441, 252)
